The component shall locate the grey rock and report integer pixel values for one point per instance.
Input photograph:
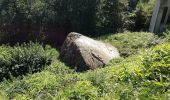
(85, 53)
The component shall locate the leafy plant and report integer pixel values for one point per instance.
(157, 63)
(130, 43)
(80, 90)
(143, 13)
(22, 59)
(137, 76)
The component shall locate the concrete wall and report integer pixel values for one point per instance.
(156, 25)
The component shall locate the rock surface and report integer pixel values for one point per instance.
(85, 53)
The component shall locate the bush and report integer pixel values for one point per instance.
(143, 13)
(138, 14)
(157, 63)
(38, 86)
(130, 43)
(81, 90)
(22, 59)
(125, 78)
(23, 20)
(59, 68)
(166, 34)
(154, 76)
(110, 15)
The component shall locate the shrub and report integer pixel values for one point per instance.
(110, 15)
(143, 13)
(41, 84)
(3, 95)
(59, 68)
(41, 20)
(81, 90)
(167, 34)
(125, 78)
(154, 76)
(37, 86)
(129, 43)
(22, 59)
(157, 63)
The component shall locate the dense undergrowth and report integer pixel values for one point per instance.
(50, 21)
(23, 59)
(142, 72)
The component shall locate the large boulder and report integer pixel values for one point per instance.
(85, 53)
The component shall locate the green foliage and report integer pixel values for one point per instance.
(38, 86)
(81, 90)
(153, 76)
(22, 59)
(124, 78)
(46, 84)
(137, 15)
(167, 34)
(52, 84)
(3, 95)
(110, 15)
(41, 84)
(157, 63)
(131, 43)
(59, 68)
(24, 20)
(143, 14)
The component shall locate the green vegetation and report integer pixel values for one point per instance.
(30, 70)
(156, 64)
(131, 43)
(143, 74)
(41, 20)
(23, 59)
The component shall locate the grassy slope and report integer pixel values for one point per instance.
(118, 80)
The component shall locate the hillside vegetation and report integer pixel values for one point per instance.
(50, 21)
(141, 73)
(31, 31)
